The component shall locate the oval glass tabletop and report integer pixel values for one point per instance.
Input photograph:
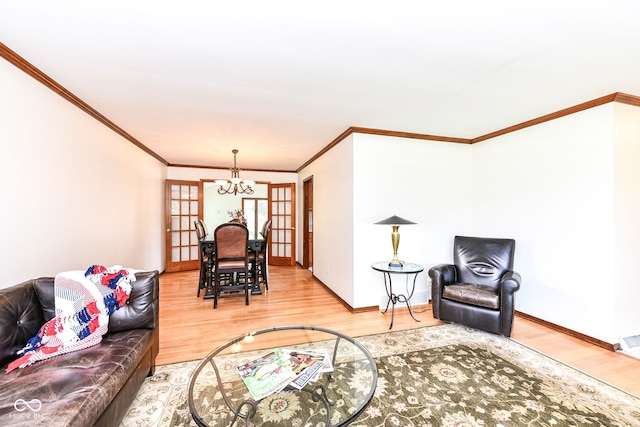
(283, 376)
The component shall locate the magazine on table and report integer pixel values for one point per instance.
(282, 367)
(266, 375)
(318, 362)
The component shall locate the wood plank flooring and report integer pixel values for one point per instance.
(190, 327)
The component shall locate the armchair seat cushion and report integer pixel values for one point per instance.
(472, 294)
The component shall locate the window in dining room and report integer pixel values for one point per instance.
(256, 212)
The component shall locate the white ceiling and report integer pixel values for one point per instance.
(280, 80)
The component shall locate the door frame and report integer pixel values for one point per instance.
(307, 226)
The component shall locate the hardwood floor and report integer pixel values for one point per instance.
(190, 327)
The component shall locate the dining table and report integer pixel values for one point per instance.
(207, 246)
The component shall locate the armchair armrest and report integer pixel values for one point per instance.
(510, 282)
(441, 275)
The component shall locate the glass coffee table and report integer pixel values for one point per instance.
(339, 392)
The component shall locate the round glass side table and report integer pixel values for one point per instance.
(406, 269)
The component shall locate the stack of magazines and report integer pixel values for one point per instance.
(282, 367)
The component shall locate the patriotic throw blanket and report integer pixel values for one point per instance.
(84, 301)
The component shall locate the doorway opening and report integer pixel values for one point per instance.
(307, 251)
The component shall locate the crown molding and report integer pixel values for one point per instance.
(371, 131)
(625, 98)
(28, 68)
(614, 97)
(226, 168)
(410, 135)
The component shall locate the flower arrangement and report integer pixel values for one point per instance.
(237, 215)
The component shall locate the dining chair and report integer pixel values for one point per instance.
(204, 259)
(231, 257)
(204, 227)
(261, 261)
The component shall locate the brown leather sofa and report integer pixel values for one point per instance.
(90, 387)
(478, 289)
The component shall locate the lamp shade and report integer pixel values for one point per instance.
(395, 220)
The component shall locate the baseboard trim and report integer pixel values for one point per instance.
(570, 332)
(343, 302)
(552, 326)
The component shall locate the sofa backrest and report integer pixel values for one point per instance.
(24, 308)
(142, 310)
(20, 319)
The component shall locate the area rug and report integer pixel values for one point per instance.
(444, 375)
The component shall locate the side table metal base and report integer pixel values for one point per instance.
(387, 271)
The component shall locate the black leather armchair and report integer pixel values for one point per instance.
(478, 289)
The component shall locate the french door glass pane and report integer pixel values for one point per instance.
(183, 242)
(185, 192)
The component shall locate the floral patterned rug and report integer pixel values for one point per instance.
(444, 375)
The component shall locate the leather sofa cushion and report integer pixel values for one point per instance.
(46, 295)
(472, 294)
(20, 319)
(75, 388)
(142, 308)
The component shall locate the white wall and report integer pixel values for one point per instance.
(216, 206)
(567, 190)
(74, 192)
(333, 255)
(423, 181)
(623, 281)
(367, 178)
(551, 188)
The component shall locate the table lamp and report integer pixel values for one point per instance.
(395, 222)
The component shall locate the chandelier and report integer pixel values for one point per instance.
(235, 185)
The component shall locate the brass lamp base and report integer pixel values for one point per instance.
(395, 240)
